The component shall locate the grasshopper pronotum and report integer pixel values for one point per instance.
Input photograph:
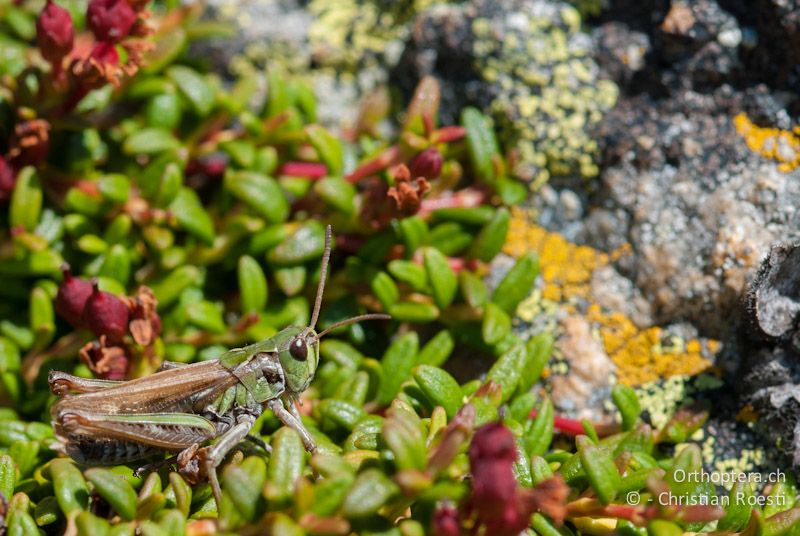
(181, 407)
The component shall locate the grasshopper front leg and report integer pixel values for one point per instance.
(211, 457)
(292, 421)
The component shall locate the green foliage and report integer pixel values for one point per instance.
(217, 202)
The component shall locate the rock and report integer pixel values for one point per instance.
(769, 378)
(580, 392)
(698, 207)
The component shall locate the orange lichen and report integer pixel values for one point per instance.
(641, 355)
(566, 268)
(783, 146)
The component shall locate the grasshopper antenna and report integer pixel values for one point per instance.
(348, 321)
(323, 272)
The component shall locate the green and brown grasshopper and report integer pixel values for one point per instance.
(181, 407)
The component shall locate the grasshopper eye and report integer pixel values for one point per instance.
(298, 349)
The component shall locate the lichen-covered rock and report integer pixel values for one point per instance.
(770, 371)
(528, 61)
(698, 208)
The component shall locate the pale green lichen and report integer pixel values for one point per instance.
(548, 94)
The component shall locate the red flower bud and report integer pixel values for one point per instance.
(445, 521)
(110, 20)
(71, 298)
(7, 179)
(105, 314)
(492, 442)
(54, 32)
(426, 164)
(495, 494)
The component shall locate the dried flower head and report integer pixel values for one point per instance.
(407, 192)
(105, 361)
(30, 143)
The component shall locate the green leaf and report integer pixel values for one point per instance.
(414, 232)
(168, 46)
(26, 200)
(241, 151)
(42, 318)
(194, 87)
(660, 527)
(243, 483)
(539, 432)
(481, 143)
(290, 279)
(496, 324)
(191, 215)
(384, 289)
(437, 350)
(415, 312)
(170, 288)
(537, 353)
(738, 509)
(117, 264)
(206, 315)
(150, 141)
(492, 236)
(442, 278)
(182, 492)
(252, 285)
(114, 187)
(164, 111)
(628, 405)
(473, 289)
(409, 272)
(397, 362)
(91, 525)
(340, 412)
(507, 371)
(69, 486)
(306, 243)
(328, 147)
(115, 490)
(600, 469)
(8, 473)
(261, 193)
(540, 470)
(285, 465)
(371, 490)
(439, 387)
(341, 353)
(517, 283)
(337, 193)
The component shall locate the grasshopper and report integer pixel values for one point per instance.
(181, 407)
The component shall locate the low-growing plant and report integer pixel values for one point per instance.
(154, 211)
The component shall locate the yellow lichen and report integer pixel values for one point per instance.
(641, 355)
(783, 146)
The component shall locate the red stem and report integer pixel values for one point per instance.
(311, 170)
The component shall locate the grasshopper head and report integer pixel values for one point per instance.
(298, 347)
(298, 351)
